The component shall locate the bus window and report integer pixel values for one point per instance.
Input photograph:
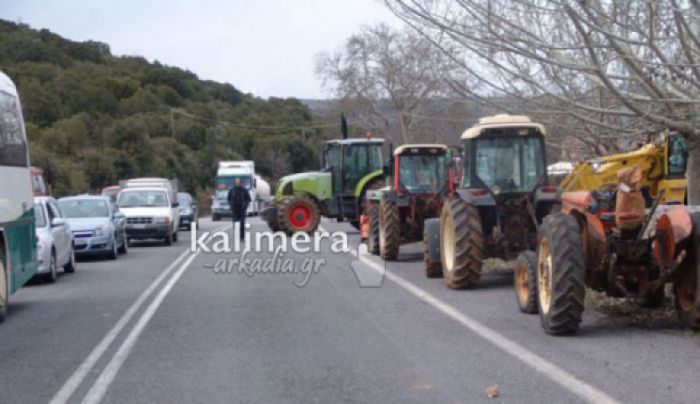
(13, 148)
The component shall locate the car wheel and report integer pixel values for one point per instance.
(51, 276)
(115, 252)
(125, 246)
(175, 236)
(70, 266)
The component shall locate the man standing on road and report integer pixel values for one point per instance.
(238, 200)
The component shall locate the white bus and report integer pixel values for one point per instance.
(18, 262)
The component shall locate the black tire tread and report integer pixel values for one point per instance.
(469, 244)
(389, 221)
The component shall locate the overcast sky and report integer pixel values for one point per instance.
(265, 47)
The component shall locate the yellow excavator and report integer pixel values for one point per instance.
(663, 164)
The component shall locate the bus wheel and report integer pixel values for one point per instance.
(4, 290)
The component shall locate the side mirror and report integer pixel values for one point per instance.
(57, 222)
(118, 215)
(176, 204)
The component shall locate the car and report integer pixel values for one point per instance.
(151, 209)
(98, 226)
(54, 239)
(189, 211)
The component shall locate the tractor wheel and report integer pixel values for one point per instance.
(461, 244)
(685, 286)
(372, 210)
(561, 287)
(389, 230)
(298, 213)
(431, 248)
(525, 279)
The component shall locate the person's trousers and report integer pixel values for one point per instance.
(239, 217)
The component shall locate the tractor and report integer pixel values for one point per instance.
(503, 197)
(612, 241)
(419, 180)
(348, 168)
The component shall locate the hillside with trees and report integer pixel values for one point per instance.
(93, 118)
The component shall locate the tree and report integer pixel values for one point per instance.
(386, 79)
(613, 67)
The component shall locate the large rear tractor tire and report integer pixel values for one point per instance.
(431, 248)
(298, 213)
(372, 210)
(525, 280)
(685, 286)
(389, 230)
(461, 244)
(561, 273)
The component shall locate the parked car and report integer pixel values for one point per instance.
(111, 191)
(98, 226)
(189, 211)
(54, 239)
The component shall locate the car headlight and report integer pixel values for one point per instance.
(99, 231)
(161, 220)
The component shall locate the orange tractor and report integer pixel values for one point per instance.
(617, 242)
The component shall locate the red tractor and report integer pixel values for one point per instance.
(420, 177)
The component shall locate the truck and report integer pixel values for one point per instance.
(151, 208)
(226, 176)
(18, 249)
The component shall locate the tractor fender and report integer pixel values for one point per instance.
(672, 228)
(476, 198)
(360, 187)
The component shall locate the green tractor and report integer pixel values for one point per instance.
(420, 180)
(348, 168)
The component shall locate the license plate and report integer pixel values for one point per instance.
(80, 241)
(138, 226)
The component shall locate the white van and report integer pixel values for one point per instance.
(151, 208)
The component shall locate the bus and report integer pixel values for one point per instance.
(18, 252)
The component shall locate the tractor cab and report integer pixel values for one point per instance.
(349, 161)
(504, 154)
(420, 169)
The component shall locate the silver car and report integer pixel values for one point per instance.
(54, 239)
(98, 226)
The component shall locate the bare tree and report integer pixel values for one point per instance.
(386, 79)
(603, 67)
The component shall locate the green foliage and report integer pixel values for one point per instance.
(93, 118)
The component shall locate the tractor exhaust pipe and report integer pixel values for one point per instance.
(343, 126)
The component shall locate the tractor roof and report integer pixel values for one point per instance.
(501, 121)
(355, 140)
(405, 147)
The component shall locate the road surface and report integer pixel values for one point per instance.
(162, 325)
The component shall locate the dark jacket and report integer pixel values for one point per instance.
(238, 199)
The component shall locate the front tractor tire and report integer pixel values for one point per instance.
(298, 213)
(525, 280)
(561, 288)
(461, 244)
(373, 238)
(685, 286)
(431, 248)
(389, 230)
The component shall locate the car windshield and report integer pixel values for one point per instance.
(39, 216)
(184, 199)
(79, 208)
(142, 198)
(509, 164)
(226, 182)
(422, 173)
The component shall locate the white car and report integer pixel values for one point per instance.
(150, 213)
(54, 239)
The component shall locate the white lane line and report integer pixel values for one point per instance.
(86, 366)
(583, 390)
(99, 388)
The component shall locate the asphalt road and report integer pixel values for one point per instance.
(161, 324)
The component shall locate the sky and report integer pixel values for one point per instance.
(263, 47)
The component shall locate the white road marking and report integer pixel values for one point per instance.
(86, 366)
(583, 390)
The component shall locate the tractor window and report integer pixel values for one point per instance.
(422, 173)
(677, 155)
(510, 164)
(466, 166)
(359, 160)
